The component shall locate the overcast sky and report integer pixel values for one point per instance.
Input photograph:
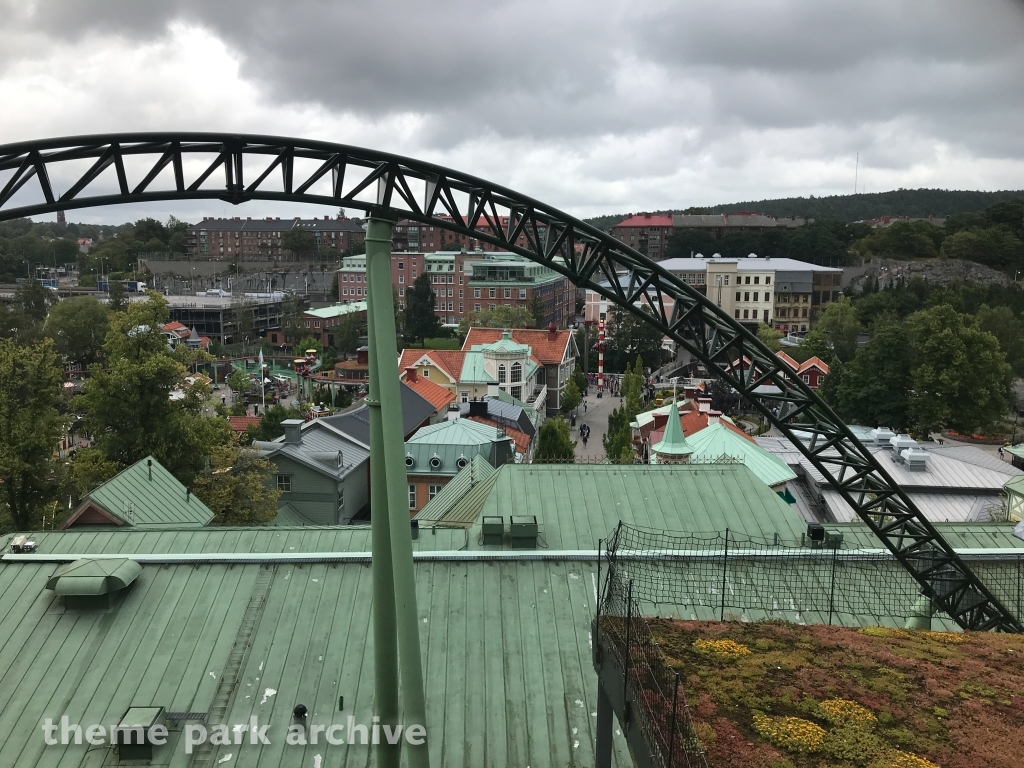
(592, 106)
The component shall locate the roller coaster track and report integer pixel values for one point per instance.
(150, 167)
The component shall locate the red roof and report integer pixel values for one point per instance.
(737, 430)
(520, 438)
(435, 394)
(787, 360)
(814, 362)
(549, 348)
(646, 220)
(448, 361)
(241, 423)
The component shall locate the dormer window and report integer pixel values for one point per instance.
(517, 372)
(501, 373)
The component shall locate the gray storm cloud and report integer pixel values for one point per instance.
(662, 93)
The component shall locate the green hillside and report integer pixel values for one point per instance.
(900, 202)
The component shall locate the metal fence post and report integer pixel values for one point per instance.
(629, 626)
(599, 590)
(725, 566)
(832, 587)
(672, 729)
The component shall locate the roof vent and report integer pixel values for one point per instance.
(435, 462)
(410, 460)
(90, 583)
(916, 459)
(137, 732)
(901, 443)
(882, 435)
(461, 462)
(523, 532)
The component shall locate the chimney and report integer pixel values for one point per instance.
(292, 431)
(149, 466)
(410, 373)
(552, 331)
(188, 495)
(714, 417)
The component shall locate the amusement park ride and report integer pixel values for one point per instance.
(235, 168)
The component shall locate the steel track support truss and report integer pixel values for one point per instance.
(61, 174)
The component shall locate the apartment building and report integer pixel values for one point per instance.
(646, 232)
(469, 281)
(411, 236)
(261, 239)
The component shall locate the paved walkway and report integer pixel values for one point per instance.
(596, 417)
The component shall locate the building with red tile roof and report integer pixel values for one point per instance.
(646, 232)
(241, 423)
(435, 394)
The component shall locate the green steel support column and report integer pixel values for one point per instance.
(382, 343)
(385, 634)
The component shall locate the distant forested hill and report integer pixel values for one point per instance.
(900, 202)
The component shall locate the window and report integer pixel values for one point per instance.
(401, 279)
(501, 373)
(461, 310)
(460, 293)
(508, 293)
(425, 373)
(401, 265)
(805, 312)
(737, 296)
(490, 306)
(737, 314)
(767, 296)
(284, 483)
(341, 498)
(522, 293)
(476, 294)
(766, 315)
(746, 296)
(806, 378)
(517, 393)
(401, 291)
(476, 307)
(460, 279)
(747, 281)
(316, 324)
(746, 314)
(517, 373)
(432, 491)
(726, 279)
(756, 279)
(768, 280)
(412, 496)
(464, 397)
(490, 293)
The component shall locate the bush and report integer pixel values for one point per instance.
(790, 733)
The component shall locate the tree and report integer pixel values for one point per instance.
(309, 342)
(769, 337)
(875, 385)
(239, 382)
(580, 378)
(348, 332)
(554, 444)
(299, 241)
(117, 296)
(30, 426)
(78, 328)
(537, 310)
(236, 487)
(571, 397)
(618, 437)
(128, 402)
(628, 337)
(961, 379)
(89, 468)
(1008, 328)
(421, 321)
(502, 316)
(270, 423)
(840, 325)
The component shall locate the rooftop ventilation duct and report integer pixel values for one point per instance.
(916, 459)
(900, 443)
(882, 435)
(410, 460)
(90, 583)
(435, 462)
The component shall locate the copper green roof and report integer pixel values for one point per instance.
(673, 442)
(717, 441)
(146, 495)
(1016, 450)
(459, 502)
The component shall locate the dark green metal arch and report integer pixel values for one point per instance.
(391, 186)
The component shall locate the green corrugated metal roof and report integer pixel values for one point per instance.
(1015, 485)
(507, 666)
(1016, 450)
(456, 432)
(288, 515)
(216, 539)
(717, 440)
(145, 500)
(446, 507)
(577, 504)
